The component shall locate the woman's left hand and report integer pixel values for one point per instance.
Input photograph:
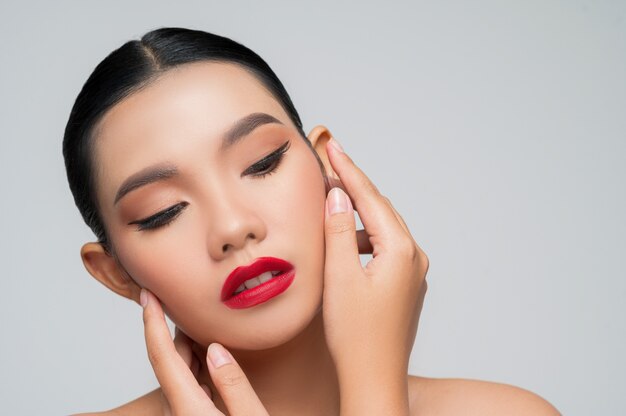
(370, 313)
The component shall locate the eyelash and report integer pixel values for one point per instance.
(160, 219)
(260, 169)
(269, 163)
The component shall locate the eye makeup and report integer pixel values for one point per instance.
(269, 163)
(266, 166)
(161, 218)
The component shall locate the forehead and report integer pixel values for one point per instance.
(188, 107)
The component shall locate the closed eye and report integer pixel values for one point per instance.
(263, 167)
(160, 218)
(269, 163)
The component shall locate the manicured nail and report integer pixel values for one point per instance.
(338, 201)
(218, 355)
(334, 143)
(143, 298)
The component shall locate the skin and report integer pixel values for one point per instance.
(303, 350)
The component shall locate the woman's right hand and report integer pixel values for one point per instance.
(370, 313)
(174, 366)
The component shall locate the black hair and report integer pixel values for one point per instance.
(131, 67)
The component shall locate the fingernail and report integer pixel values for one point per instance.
(143, 298)
(218, 355)
(338, 201)
(334, 143)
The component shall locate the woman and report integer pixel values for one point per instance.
(187, 158)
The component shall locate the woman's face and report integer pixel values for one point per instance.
(225, 212)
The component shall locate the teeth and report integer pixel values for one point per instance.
(255, 281)
(264, 277)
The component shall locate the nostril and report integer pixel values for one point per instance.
(227, 245)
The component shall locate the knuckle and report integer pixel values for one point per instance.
(338, 227)
(156, 356)
(150, 317)
(413, 251)
(407, 247)
(425, 262)
(231, 380)
(368, 186)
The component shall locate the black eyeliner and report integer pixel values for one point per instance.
(271, 158)
(160, 218)
(166, 216)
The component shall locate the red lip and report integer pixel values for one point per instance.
(259, 294)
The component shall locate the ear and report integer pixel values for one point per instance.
(319, 137)
(106, 269)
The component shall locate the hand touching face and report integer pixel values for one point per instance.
(183, 210)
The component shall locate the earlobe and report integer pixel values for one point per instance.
(105, 269)
(319, 137)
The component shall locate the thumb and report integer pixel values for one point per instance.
(232, 384)
(342, 252)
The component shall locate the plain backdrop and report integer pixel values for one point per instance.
(497, 129)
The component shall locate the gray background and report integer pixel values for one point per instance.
(497, 129)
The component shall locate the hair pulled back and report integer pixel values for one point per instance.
(126, 70)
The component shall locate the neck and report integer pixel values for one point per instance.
(297, 377)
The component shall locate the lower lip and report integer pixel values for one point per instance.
(263, 292)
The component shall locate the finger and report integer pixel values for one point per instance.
(340, 234)
(421, 255)
(398, 216)
(232, 384)
(176, 380)
(376, 215)
(363, 240)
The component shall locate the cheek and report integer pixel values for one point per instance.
(178, 275)
(150, 264)
(300, 198)
(302, 225)
(162, 263)
(291, 208)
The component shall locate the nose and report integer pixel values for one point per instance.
(235, 226)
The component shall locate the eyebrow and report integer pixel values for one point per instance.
(244, 126)
(160, 172)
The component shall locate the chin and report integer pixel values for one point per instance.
(283, 318)
(264, 326)
(276, 322)
(274, 336)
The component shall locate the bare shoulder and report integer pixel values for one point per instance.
(452, 396)
(147, 405)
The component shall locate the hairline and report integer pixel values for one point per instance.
(158, 72)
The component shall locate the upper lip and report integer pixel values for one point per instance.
(257, 267)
